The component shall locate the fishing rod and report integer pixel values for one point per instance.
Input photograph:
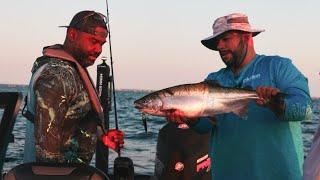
(112, 73)
(123, 166)
(144, 119)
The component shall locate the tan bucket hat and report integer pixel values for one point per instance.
(234, 21)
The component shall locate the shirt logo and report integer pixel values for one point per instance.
(251, 78)
(204, 163)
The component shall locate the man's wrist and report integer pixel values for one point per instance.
(278, 108)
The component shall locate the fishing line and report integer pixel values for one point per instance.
(123, 166)
(112, 73)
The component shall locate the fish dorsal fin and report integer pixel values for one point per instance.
(214, 83)
(248, 88)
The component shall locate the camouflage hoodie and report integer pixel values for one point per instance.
(65, 125)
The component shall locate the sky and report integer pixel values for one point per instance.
(156, 43)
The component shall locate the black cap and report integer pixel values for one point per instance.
(87, 21)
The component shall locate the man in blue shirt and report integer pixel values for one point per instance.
(267, 144)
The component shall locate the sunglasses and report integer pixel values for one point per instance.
(95, 15)
(92, 16)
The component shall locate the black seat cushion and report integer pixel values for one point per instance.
(45, 171)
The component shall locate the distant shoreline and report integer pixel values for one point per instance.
(121, 90)
(25, 86)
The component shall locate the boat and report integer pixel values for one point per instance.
(10, 103)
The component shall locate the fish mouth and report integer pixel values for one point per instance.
(138, 106)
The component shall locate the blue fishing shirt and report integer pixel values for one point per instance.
(260, 146)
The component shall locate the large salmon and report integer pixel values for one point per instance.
(204, 99)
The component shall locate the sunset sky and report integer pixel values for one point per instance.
(156, 43)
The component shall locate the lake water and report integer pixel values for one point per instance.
(139, 146)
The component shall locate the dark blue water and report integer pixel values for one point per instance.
(139, 146)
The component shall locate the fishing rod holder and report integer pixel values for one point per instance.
(104, 90)
(104, 85)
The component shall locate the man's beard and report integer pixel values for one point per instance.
(82, 57)
(238, 55)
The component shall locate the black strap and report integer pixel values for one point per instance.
(25, 113)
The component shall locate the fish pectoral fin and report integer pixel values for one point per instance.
(168, 111)
(144, 122)
(241, 111)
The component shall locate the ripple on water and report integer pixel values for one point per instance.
(140, 147)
